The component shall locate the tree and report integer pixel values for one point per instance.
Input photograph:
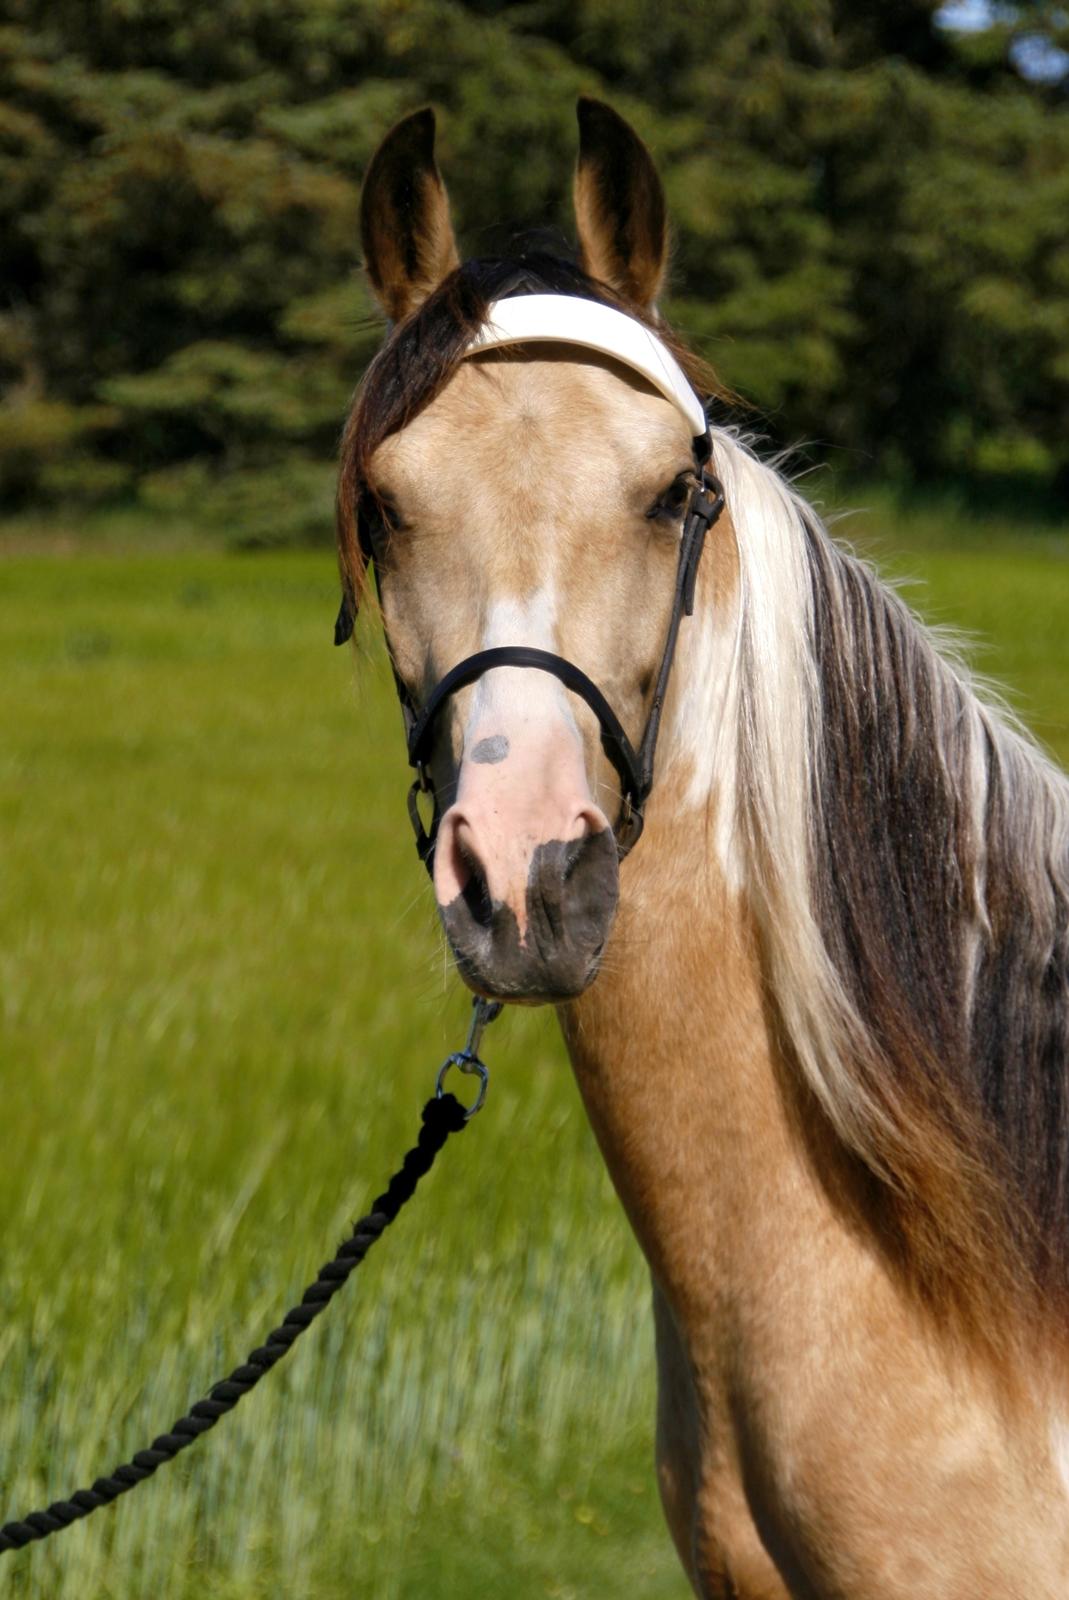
(869, 215)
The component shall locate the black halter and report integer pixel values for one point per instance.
(635, 767)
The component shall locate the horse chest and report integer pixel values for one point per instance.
(922, 1494)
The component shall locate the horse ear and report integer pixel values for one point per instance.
(405, 229)
(619, 206)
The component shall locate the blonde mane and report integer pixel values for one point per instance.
(905, 849)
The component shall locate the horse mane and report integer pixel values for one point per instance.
(906, 845)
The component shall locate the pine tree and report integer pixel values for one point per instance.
(870, 222)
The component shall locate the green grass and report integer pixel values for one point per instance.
(223, 998)
(1002, 583)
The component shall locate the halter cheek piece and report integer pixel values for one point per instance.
(567, 319)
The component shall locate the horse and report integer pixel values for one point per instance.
(819, 1011)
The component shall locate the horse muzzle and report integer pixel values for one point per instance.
(527, 898)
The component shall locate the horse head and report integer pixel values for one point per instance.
(519, 466)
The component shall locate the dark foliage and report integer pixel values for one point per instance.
(871, 221)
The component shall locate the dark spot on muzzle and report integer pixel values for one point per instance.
(490, 751)
(572, 889)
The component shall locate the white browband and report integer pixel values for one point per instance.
(568, 319)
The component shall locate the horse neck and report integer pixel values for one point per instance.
(674, 1054)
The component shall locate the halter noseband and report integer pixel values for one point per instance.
(568, 319)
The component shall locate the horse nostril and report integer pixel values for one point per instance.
(572, 856)
(475, 893)
(571, 893)
(546, 948)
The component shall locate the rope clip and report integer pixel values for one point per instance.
(483, 1012)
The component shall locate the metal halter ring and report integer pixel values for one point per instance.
(466, 1063)
(483, 1012)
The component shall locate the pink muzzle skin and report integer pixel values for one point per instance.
(525, 865)
(517, 792)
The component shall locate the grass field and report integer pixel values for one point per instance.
(222, 1001)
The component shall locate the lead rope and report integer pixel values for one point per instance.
(442, 1115)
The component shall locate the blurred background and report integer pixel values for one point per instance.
(223, 995)
(870, 202)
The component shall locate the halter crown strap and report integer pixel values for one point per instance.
(570, 319)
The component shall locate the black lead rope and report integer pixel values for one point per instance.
(442, 1116)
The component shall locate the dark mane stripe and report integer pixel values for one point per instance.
(940, 879)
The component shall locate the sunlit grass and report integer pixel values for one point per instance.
(222, 1002)
(999, 580)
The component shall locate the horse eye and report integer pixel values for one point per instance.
(670, 504)
(389, 516)
(381, 514)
